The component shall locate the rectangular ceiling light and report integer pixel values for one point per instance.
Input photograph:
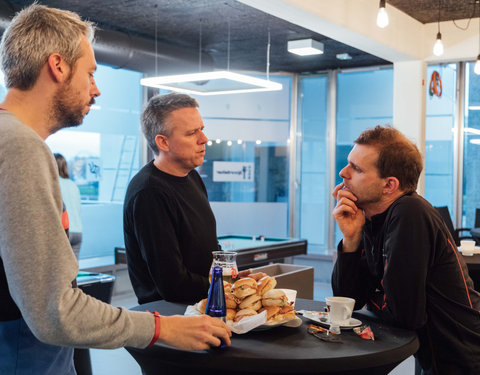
(211, 83)
(305, 47)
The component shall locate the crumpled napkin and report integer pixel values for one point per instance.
(243, 326)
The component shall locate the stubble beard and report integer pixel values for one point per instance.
(66, 111)
(368, 201)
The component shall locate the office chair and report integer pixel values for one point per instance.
(477, 218)
(455, 232)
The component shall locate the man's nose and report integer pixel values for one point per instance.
(95, 90)
(343, 173)
(203, 138)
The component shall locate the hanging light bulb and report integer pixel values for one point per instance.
(438, 46)
(382, 16)
(476, 68)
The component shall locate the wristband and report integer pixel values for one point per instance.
(156, 316)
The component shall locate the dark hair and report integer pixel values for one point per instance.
(62, 166)
(155, 115)
(397, 156)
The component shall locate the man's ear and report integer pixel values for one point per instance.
(162, 143)
(391, 185)
(58, 68)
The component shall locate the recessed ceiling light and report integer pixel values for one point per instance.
(305, 47)
(343, 56)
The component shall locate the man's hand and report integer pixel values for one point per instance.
(349, 217)
(193, 332)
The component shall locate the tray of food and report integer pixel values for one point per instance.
(255, 305)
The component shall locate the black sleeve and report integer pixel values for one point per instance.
(350, 277)
(407, 250)
(155, 222)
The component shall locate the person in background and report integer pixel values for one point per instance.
(398, 258)
(73, 204)
(169, 227)
(49, 64)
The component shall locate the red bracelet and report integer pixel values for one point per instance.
(156, 316)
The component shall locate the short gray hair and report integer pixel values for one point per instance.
(33, 35)
(155, 115)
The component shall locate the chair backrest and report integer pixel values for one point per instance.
(477, 218)
(445, 214)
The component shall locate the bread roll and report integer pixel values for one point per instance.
(231, 301)
(265, 284)
(275, 297)
(244, 313)
(271, 311)
(251, 302)
(244, 287)
(231, 314)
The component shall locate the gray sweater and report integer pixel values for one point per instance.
(39, 262)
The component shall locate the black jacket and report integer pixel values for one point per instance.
(410, 273)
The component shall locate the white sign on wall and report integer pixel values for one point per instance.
(233, 171)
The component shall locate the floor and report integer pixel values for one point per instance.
(119, 362)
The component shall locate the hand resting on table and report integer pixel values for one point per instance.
(193, 332)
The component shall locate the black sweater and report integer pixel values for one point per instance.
(170, 233)
(409, 272)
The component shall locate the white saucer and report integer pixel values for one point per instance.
(323, 319)
(475, 251)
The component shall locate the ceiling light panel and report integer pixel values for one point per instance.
(305, 47)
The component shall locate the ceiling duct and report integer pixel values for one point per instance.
(130, 52)
(120, 50)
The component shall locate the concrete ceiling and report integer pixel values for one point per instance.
(427, 11)
(236, 35)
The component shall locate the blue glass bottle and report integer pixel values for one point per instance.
(216, 305)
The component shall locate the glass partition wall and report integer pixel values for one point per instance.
(470, 189)
(440, 137)
(252, 132)
(103, 154)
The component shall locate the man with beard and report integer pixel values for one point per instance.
(398, 258)
(49, 64)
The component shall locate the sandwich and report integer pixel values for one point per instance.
(244, 313)
(265, 284)
(231, 301)
(227, 287)
(285, 313)
(275, 297)
(244, 287)
(231, 314)
(272, 311)
(278, 314)
(257, 276)
(251, 302)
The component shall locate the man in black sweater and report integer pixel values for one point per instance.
(398, 257)
(169, 227)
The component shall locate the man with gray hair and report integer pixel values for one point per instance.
(49, 65)
(169, 227)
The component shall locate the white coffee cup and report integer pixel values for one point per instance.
(340, 310)
(467, 246)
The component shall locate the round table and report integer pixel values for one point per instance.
(283, 350)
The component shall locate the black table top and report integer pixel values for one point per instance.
(286, 350)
